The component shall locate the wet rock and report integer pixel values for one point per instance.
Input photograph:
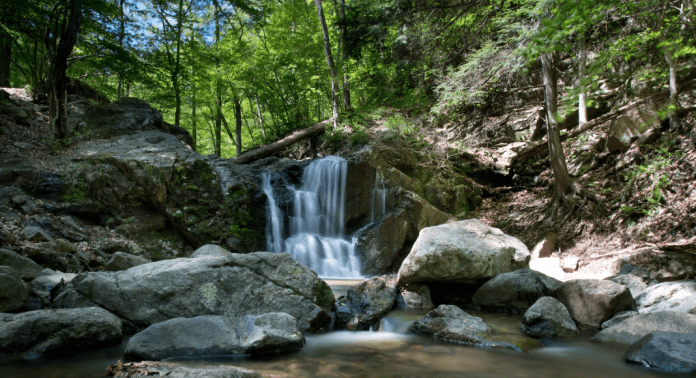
(466, 251)
(636, 327)
(618, 318)
(668, 296)
(366, 303)
(36, 234)
(44, 254)
(26, 268)
(49, 282)
(668, 351)
(210, 250)
(176, 370)
(235, 285)
(515, 292)
(592, 302)
(452, 324)
(14, 293)
(123, 261)
(549, 318)
(359, 178)
(216, 336)
(380, 244)
(59, 332)
(415, 296)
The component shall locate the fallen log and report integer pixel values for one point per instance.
(289, 140)
(541, 149)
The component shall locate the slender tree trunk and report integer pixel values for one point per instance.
(251, 133)
(556, 156)
(5, 56)
(667, 48)
(344, 59)
(258, 113)
(193, 109)
(329, 61)
(177, 68)
(121, 36)
(582, 98)
(238, 123)
(218, 89)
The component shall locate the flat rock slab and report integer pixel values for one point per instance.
(215, 335)
(668, 296)
(235, 285)
(592, 302)
(670, 351)
(366, 302)
(148, 369)
(549, 318)
(636, 327)
(451, 324)
(515, 292)
(467, 251)
(59, 332)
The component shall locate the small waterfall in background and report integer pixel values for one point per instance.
(317, 227)
(378, 199)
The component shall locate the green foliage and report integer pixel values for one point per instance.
(359, 137)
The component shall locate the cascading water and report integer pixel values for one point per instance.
(378, 199)
(317, 226)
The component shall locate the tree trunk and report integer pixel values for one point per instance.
(258, 112)
(556, 156)
(238, 123)
(218, 89)
(121, 36)
(329, 61)
(344, 58)
(58, 64)
(582, 98)
(272, 148)
(193, 111)
(5, 56)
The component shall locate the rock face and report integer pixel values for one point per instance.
(123, 261)
(466, 252)
(236, 285)
(549, 318)
(515, 291)
(174, 370)
(415, 296)
(635, 327)
(216, 336)
(26, 268)
(668, 296)
(618, 318)
(210, 250)
(670, 351)
(47, 281)
(59, 332)
(592, 302)
(366, 303)
(452, 324)
(14, 293)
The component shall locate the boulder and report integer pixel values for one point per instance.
(235, 285)
(668, 351)
(634, 283)
(515, 292)
(210, 250)
(48, 281)
(59, 332)
(36, 234)
(14, 293)
(618, 318)
(147, 369)
(546, 247)
(26, 268)
(591, 302)
(467, 251)
(636, 327)
(668, 296)
(415, 296)
(671, 266)
(6, 236)
(380, 244)
(64, 246)
(452, 324)
(570, 264)
(549, 318)
(216, 335)
(17, 170)
(123, 261)
(366, 303)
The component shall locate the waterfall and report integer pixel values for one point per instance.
(317, 226)
(378, 199)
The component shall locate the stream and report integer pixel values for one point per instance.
(388, 351)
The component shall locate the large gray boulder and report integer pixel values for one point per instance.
(236, 285)
(124, 261)
(591, 302)
(14, 293)
(26, 268)
(634, 283)
(210, 250)
(549, 318)
(451, 324)
(148, 369)
(636, 327)
(668, 296)
(669, 351)
(215, 335)
(59, 332)
(366, 303)
(467, 251)
(515, 292)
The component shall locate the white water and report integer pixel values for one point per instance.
(378, 199)
(317, 227)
